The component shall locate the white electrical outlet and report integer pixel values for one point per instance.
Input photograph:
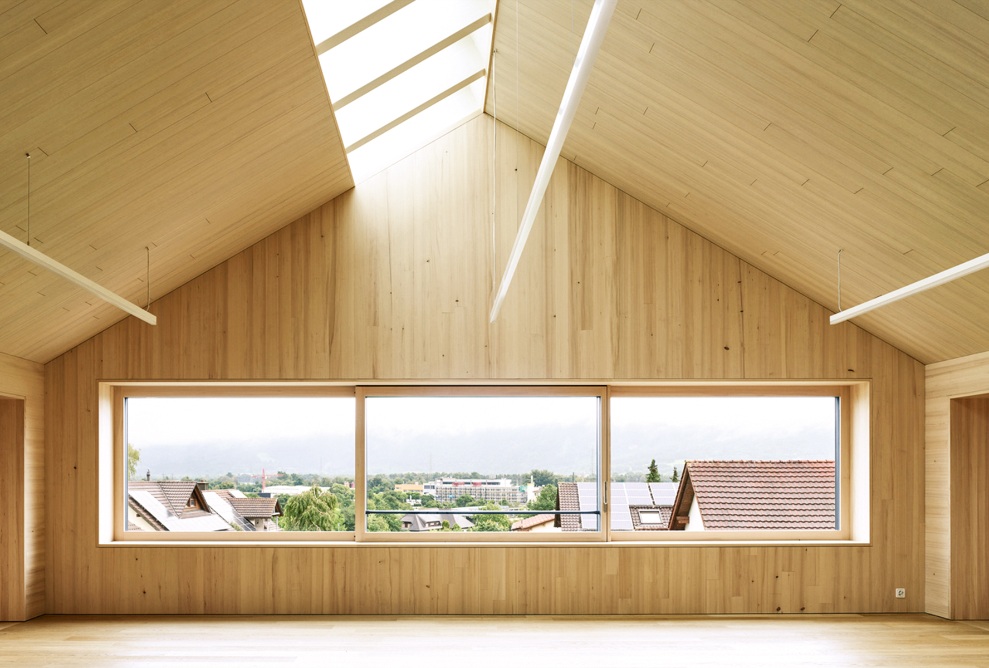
(900, 592)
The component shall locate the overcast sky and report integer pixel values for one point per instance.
(195, 436)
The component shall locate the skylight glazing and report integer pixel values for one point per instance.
(400, 73)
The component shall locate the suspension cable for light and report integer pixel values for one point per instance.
(597, 26)
(946, 276)
(42, 260)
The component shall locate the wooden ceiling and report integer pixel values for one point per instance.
(785, 131)
(192, 129)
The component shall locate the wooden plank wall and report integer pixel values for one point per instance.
(22, 519)
(393, 280)
(970, 508)
(957, 544)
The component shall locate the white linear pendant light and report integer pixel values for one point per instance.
(57, 267)
(946, 276)
(597, 26)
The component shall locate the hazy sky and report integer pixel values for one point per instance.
(195, 436)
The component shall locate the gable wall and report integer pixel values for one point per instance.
(393, 280)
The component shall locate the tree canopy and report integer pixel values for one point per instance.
(133, 457)
(313, 510)
(546, 499)
(653, 475)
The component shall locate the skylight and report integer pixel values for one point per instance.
(400, 73)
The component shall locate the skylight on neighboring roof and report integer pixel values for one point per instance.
(400, 73)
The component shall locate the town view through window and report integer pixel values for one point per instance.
(480, 464)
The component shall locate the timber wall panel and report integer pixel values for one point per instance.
(393, 281)
(22, 477)
(970, 507)
(955, 487)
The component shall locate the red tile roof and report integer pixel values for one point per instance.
(173, 494)
(534, 521)
(568, 499)
(255, 508)
(794, 494)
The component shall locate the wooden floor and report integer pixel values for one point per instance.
(840, 640)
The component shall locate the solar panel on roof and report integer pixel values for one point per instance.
(663, 493)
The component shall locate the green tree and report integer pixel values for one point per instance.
(133, 457)
(465, 500)
(313, 510)
(492, 522)
(653, 475)
(546, 499)
(675, 477)
(541, 477)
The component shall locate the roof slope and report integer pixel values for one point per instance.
(172, 494)
(785, 132)
(191, 129)
(255, 508)
(797, 494)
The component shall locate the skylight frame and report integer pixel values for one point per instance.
(436, 80)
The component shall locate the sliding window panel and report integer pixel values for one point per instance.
(236, 464)
(483, 463)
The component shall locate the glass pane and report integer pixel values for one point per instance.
(240, 463)
(481, 464)
(724, 463)
(402, 37)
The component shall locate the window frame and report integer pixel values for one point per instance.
(599, 391)
(853, 461)
(119, 392)
(852, 527)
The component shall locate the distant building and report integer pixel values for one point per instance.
(408, 487)
(499, 490)
(635, 506)
(170, 505)
(258, 514)
(179, 505)
(289, 490)
(536, 524)
(434, 521)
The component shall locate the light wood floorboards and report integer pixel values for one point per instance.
(836, 640)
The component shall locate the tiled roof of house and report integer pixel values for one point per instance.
(567, 498)
(255, 508)
(642, 514)
(534, 521)
(424, 521)
(793, 494)
(173, 494)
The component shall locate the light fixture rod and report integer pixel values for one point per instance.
(57, 267)
(597, 26)
(946, 276)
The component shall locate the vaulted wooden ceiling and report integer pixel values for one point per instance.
(783, 130)
(193, 129)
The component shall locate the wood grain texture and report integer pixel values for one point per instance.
(393, 281)
(946, 381)
(22, 456)
(907, 641)
(970, 508)
(191, 129)
(785, 131)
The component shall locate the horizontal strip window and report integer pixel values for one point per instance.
(344, 463)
